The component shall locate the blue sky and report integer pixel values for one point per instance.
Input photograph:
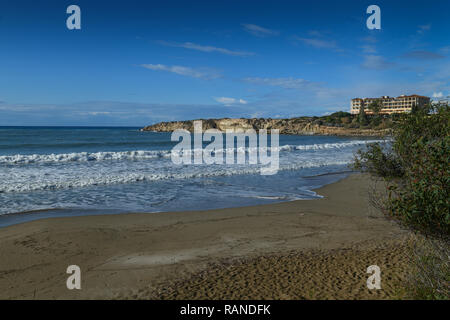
(138, 62)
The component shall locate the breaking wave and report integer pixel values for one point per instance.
(158, 154)
(103, 178)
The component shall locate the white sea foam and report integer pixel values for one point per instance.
(323, 146)
(84, 177)
(156, 154)
(83, 169)
(83, 156)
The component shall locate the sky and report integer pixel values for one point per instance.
(134, 63)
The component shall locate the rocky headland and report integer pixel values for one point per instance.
(295, 126)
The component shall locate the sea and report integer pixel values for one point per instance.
(69, 171)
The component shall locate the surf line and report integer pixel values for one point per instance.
(235, 153)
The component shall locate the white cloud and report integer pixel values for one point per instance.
(367, 48)
(438, 94)
(120, 113)
(184, 71)
(315, 33)
(98, 113)
(287, 83)
(259, 31)
(198, 47)
(376, 62)
(445, 50)
(421, 29)
(369, 45)
(423, 55)
(230, 101)
(318, 43)
(369, 39)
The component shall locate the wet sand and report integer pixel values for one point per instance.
(306, 249)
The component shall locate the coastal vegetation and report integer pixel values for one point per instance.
(362, 120)
(415, 168)
(337, 123)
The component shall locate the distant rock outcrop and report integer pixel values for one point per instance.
(299, 126)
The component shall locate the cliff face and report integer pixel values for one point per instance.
(301, 126)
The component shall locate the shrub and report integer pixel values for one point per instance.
(378, 161)
(430, 277)
(415, 166)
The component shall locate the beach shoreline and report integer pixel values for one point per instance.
(141, 256)
(9, 219)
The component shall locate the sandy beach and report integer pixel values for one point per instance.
(306, 249)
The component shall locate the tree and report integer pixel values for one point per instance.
(415, 108)
(376, 106)
(362, 117)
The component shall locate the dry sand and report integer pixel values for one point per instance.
(307, 249)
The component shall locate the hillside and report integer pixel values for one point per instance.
(339, 123)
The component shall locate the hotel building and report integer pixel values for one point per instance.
(399, 104)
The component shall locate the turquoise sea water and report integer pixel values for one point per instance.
(61, 171)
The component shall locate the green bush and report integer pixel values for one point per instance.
(416, 165)
(417, 171)
(378, 161)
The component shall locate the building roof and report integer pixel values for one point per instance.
(402, 96)
(418, 96)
